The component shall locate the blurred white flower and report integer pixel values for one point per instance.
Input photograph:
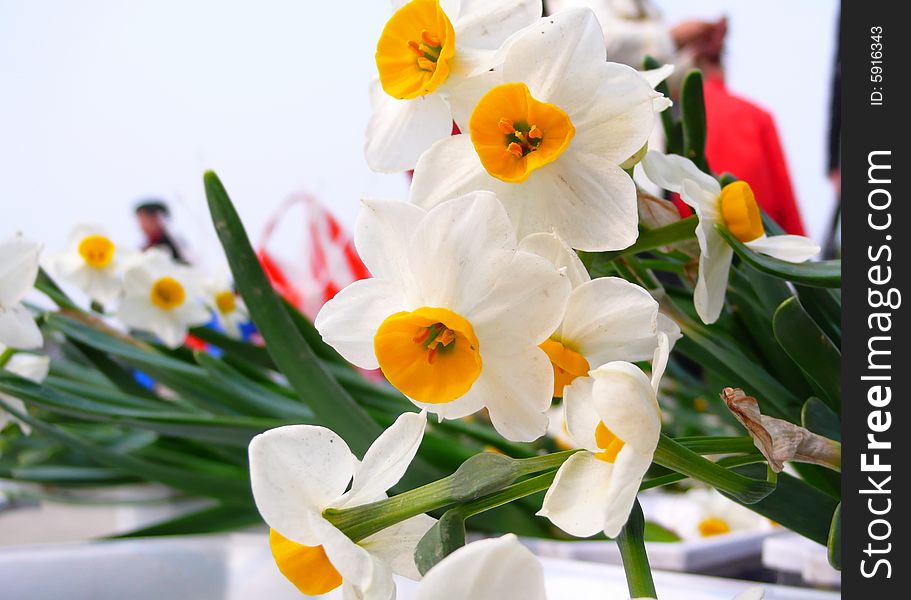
(491, 569)
(454, 313)
(18, 271)
(161, 297)
(549, 136)
(614, 415)
(229, 308)
(28, 366)
(428, 51)
(733, 207)
(93, 263)
(298, 471)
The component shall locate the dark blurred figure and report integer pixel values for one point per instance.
(153, 218)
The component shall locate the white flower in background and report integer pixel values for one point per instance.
(492, 569)
(756, 593)
(298, 471)
(93, 264)
(701, 513)
(734, 207)
(454, 314)
(549, 136)
(606, 319)
(614, 415)
(427, 51)
(229, 308)
(28, 366)
(161, 297)
(18, 271)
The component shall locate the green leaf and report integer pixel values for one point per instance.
(445, 537)
(692, 112)
(819, 418)
(212, 519)
(809, 347)
(825, 273)
(824, 305)
(331, 404)
(649, 239)
(834, 541)
(662, 535)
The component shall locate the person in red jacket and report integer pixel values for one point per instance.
(742, 138)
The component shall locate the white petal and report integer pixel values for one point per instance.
(400, 130)
(619, 120)
(581, 417)
(296, 471)
(29, 366)
(458, 408)
(659, 360)
(102, 285)
(669, 327)
(463, 92)
(460, 249)
(485, 24)
(587, 200)
(517, 389)
(668, 171)
(610, 319)
(559, 58)
(19, 260)
(450, 168)
(523, 308)
(629, 469)
(625, 400)
(5, 417)
(714, 257)
(364, 576)
(348, 322)
(792, 248)
(492, 569)
(18, 328)
(386, 460)
(756, 593)
(656, 76)
(555, 250)
(579, 496)
(395, 545)
(381, 236)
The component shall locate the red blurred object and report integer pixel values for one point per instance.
(742, 140)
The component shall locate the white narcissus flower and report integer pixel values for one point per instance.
(549, 136)
(18, 271)
(735, 208)
(229, 308)
(454, 314)
(492, 569)
(429, 50)
(161, 297)
(606, 319)
(93, 264)
(28, 366)
(298, 471)
(614, 415)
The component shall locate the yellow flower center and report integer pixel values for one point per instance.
(740, 211)
(97, 251)
(713, 526)
(430, 354)
(414, 50)
(226, 302)
(307, 567)
(609, 443)
(568, 364)
(514, 134)
(167, 293)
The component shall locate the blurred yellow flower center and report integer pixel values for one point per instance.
(226, 302)
(514, 134)
(414, 50)
(713, 526)
(97, 251)
(167, 293)
(740, 211)
(430, 354)
(307, 567)
(568, 364)
(609, 443)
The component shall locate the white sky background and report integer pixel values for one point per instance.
(105, 102)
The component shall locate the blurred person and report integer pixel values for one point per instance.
(153, 216)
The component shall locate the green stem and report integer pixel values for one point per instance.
(727, 462)
(631, 543)
(678, 458)
(677, 231)
(508, 494)
(5, 356)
